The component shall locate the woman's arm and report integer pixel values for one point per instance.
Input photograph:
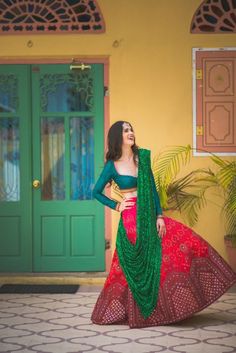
(104, 178)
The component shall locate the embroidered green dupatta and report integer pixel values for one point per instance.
(141, 261)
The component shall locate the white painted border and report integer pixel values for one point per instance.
(194, 51)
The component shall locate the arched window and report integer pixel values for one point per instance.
(215, 16)
(50, 16)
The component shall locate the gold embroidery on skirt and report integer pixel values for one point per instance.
(116, 189)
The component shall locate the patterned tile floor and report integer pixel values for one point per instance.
(60, 323)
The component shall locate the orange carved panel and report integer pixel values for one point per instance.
(218, 124)
(216, 101)
(219, 77)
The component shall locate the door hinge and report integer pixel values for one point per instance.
(199, 74)
(106, 91)
(107, 244)
(199, 130)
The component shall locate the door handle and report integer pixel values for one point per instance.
(36, 184)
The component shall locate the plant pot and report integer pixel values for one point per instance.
(231, 250)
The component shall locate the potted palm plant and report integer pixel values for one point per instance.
(188, 194)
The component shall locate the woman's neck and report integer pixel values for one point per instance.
(127, 153)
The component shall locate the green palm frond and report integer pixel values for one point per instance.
(226, 175)
(230, 208)
(168, 163)
(187, 194)
(187, 197)
(190, 205)
(219, 161)
(207, 178)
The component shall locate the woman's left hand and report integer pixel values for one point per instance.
(161, 227)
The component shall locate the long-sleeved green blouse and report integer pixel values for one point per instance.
(123, 181)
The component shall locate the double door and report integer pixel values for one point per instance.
(51, 152)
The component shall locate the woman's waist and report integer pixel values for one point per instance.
(131, 192)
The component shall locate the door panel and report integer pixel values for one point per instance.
(15, 172)
(68, 142)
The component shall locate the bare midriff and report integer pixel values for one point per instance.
(127, 193)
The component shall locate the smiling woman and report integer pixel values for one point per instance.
(162, 271)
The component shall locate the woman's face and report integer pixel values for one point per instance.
(128, 135)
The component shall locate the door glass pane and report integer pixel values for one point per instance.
(52, 158)
(82, 157)
(9, 159)
(67, 92)
(8, 93)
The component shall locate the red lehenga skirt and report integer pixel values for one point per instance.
(193, 275)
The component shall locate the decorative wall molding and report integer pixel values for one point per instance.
(215, 16)
(50, 16)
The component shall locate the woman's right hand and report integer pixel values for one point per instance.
(126, 203)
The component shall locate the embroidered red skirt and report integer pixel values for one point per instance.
(193, 275)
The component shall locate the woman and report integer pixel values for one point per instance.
(162, 271)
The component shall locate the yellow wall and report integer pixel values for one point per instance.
(150, 74)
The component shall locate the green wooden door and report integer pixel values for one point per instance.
(15, 169)
(67, 145)
(61, 140)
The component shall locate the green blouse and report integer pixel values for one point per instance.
(124, 182)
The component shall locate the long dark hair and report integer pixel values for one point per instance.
(115, 140)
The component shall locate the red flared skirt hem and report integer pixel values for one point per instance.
(193, 275)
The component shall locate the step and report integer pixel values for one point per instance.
(81, 278)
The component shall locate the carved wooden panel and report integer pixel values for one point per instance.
(50, 16)
(216, 101)
(215, 16)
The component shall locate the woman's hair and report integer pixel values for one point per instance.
(115, 140)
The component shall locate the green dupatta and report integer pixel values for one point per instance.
(141, 261)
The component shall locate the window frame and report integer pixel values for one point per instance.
(194, 101)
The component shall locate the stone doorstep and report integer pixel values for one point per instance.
(81, 278)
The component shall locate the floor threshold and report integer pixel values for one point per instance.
(81, 278)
